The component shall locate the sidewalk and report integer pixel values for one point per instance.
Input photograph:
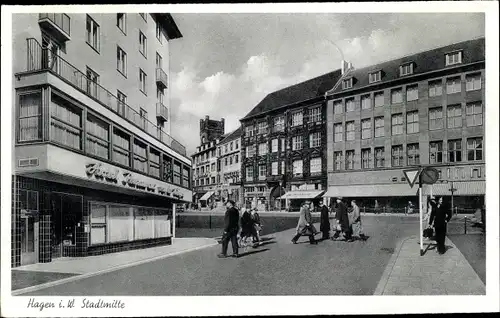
(408, 273)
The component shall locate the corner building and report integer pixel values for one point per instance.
(95, 168)
(425, 109)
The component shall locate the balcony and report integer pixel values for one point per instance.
(42, 60)
(161, 79)
(161, 112)
(56, 24)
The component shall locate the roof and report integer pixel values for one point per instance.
(235, 134)
(167, 21)
(431, 60)
(297, 93)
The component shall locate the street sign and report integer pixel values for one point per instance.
(429, 175)
(412, 175)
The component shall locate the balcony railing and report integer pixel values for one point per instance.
(161, 112)
(41, 59)
(59, 24)
(161, 78)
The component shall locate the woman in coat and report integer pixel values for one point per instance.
(324, 226)
(440, 216)
(305, 226)
(247, 228)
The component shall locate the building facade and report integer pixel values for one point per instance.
(284, 146)
(211, 129)
(425, 109)
(229, 167)
(95, 168)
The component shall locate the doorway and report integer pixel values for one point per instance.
(29, 238)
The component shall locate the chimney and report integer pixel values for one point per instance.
(344, 67)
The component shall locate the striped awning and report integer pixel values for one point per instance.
(302, 194)
(464, 188)
(375, 190)
(206, 196)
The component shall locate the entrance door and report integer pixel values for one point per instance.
(29, 238)
(66, 213)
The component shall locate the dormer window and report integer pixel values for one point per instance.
(453, 58)
(375, 77)
(347, 83)
(406, 69)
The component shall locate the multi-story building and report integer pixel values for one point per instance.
(426, 109)
(284, 145)
(205, 162)
(229, 167)
(95, 169)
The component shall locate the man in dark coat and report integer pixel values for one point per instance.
(440, 216)
(231, 228)
(343, 218)
(305, 226)
(324, 226)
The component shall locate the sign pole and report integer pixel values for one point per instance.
(421, 210)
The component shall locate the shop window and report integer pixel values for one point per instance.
(120, 226)
(30, 116)
(98, 223)
(140, 156)
(177, 173)
(97, 143)
(65, 123)
(121, 147)
(154, 162)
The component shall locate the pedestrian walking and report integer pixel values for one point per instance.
(305, 226)
(440, 216)
(324, 226)
(257, 226)
(247, 228)
(231, 228)
(342, 220)
(357, 226)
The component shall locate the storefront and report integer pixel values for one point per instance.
(294, 199)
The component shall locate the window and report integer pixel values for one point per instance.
(202, 182)
(185, 177)
(251, 151)
(347, 83)
(159, 61)
(142, 81)
(274, 145)
(436, 118)
(279, 124)
(98, 222)
(454, 116)
(249, 173)
(121, 61)
(413, 154)
(92, 82)
(230, 160)
(262, 172)
(337, 107)
(283, 145)
(315, 114)
(249, 131)
(453, 85)
(236, 159)
(66, 123)
(154, 163)
(379, 99)
(476, 173)
(297, 119)
(177, 173)
(297, 143)
(366, 128)
(475, 149)
(396, 96)
(366, 158)
(338, 132)
(274, 168)
(406, 69)
(213, 180)
(349, 130)
(315, 140)
(338, 160)
(143, 44)
(453, 58)
(30, 116)
(411, 93)
(436, 152)
(283, 168)
(366, 102)
(93, 34)
(231, 146)
(349, 160)
(262, 149)
(435, 88)
(262, 128)
(237, 144)
(474, 114)
(374, 77)
(121, 148)
(379, 157)
(140, 156)
(159, 96)
(212, 167)
(121, 22)
(122, 104)
(297, 167)
(158, 32)
(412, 122)
(349, 105)
(455, 150)
(226, 149)
(97, 137)
(473, 82)
(379, 127)
(315, 166)
(397, 156)
(397, 124)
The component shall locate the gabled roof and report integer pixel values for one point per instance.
(297, 93)
(235, 134)
(431, 60)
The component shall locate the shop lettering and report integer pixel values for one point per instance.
(40, 305)
(99, 172)
(133, 182)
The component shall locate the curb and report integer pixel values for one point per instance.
(104, 271)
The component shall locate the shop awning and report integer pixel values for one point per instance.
(375, 190)
(206, 196)
(302, 194)
(461, 188)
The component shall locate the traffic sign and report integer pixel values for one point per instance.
(429, 175)
(412, 175)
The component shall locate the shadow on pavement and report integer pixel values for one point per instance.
(24, 279)
(267, 242)
(433, 247)
(252, 252)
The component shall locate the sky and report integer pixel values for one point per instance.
(225, 64)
